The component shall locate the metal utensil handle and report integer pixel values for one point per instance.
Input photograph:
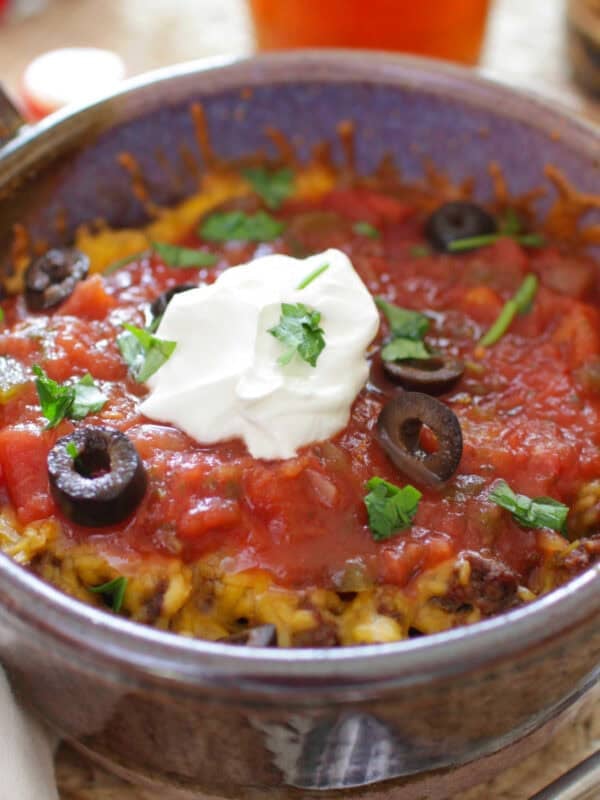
(580, 783)
(11, 120)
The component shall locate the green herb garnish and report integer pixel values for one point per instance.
(274, 186)
(55, 399)
(312, 276)
(299, 330)
(223, 226)
(72, 450)
(400, 349)
(390, 508)
(408, 329)
(122, 262)
(519, 303)
(475, 242)
(511, 224)
(536, 512)
(531, 240)
(143, 352)
(67, 400)
(183, 257)
(403, 322)
(510, 228)
(366, 229)
(87, 398)
(113, 592)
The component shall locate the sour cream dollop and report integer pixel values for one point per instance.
(223, 379)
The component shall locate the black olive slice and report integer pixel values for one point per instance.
(159, 306)
(261, 636)
(51, 278)
(457, 220)
(434, 375)
(399, 428)
(103, 484)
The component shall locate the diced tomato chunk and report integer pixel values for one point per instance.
(482, 304)
(78, 350)
(362, 204)
(578, 334)
(23, 455)
(207, 514)
(401, 561)
(528, 407)
(388, 208)
(20, 347)
(509, 256)
(573, 277)
(89, 300)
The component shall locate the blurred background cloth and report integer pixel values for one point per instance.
(525, 45)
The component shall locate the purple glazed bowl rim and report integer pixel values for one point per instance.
(128, 648)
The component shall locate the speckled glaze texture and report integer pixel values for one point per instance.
(419, 719)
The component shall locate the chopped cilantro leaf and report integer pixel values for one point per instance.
(536, 512)
(511, 224)
(473, 242)
(143, 352)
(400, 349)
(113, 592)
(408, 329)
(183, 257)
(1, 315)
(519, 303)
(531, 240)
(274, 186)
(363, 228)
(87, 398)
(510, 228)
(299, 330)
(390, 508)
(224, 226)
(525, 293)
(55, 399)
(403, 322)
(312, 276)
(61, 400)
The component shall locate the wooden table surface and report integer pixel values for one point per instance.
(525, 48)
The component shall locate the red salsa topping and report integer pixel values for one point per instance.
(528, 406)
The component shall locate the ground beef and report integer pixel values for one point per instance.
(582, 557)
(492, 586)
(324, 635)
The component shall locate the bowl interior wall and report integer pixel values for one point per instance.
(87, 182)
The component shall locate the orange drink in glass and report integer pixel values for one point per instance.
(450, 29)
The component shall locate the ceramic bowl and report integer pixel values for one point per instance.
(421, 718)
